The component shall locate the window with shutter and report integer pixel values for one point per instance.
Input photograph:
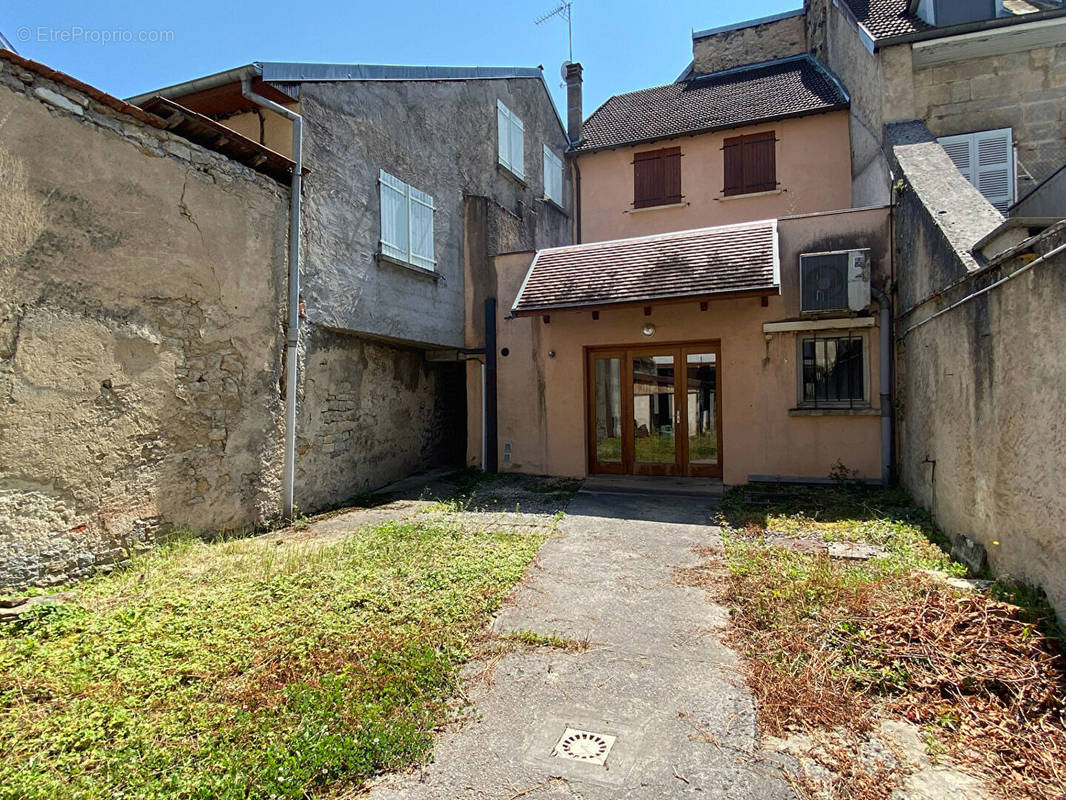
(657, 177)
(986, 159)
(406, 222)
(750, 163)
(510, 140)
(553, 177)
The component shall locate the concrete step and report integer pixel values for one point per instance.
(653, 484)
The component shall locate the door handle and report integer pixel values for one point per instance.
(677, 416)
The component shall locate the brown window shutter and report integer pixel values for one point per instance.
(734, 172)
(657, 177)
(672, 175)
(760, 163)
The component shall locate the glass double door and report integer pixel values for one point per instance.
(655, 410)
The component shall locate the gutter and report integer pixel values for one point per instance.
(887, 435)
(292, 333)
(238, 74)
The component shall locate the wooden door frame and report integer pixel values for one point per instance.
(680, 351)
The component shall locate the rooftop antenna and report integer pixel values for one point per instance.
(563, 12)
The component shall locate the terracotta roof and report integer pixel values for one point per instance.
(771, 90)
(885, 18)
(91, 91)
(729, 259)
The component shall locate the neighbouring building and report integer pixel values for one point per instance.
(416, 178)
(142, 290)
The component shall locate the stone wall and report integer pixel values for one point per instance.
(981, 439)
(747, 45)
(1025, 91)
(371, 412)
(141, 285)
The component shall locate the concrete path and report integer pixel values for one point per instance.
(656, 677)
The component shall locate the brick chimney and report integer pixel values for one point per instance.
(573, 102)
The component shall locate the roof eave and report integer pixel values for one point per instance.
(758, 291)
(578, 151)
(967, 27)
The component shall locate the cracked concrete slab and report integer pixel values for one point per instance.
(656, 675)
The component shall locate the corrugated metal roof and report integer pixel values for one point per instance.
(785, 87)
(725, 260)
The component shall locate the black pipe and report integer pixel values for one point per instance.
(491, 464)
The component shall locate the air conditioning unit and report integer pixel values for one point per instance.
(837, 281)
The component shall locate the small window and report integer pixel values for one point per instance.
(553, 177)
(750, 163)
(406, 223)
(657, 177)
(510, 140)
(986, 159)
(833, 371)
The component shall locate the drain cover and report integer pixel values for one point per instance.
(584, 746)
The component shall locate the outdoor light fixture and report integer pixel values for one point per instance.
(648, 329)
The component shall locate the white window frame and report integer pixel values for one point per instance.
(972, 168)
(849, 333)
(413, 199)
(510, 141)
(553, 177)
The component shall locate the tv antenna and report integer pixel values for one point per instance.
(563, 12)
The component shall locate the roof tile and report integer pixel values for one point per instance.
(743, 96)
(696, 263)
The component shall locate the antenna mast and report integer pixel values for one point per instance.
(563, 12)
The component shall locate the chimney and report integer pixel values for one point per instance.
(573, 103)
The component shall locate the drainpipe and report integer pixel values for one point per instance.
(886, 384)
(491, 438)
(292, 332)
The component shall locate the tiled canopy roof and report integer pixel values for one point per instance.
(885, 18)
(742, 96)
(729, 259)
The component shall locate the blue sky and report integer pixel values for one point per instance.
(623, 45)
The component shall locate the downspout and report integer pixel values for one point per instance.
(292, 332)
(577, 202)
(886, 384)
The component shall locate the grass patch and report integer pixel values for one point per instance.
(835, 645)
(249, 668)
(534, 639)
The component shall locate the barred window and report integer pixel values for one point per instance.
(834, 371)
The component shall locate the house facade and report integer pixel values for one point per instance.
(718, 318)
(415, 178)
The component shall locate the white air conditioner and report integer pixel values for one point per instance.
(836, 281)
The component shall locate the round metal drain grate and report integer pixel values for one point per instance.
(585, 746)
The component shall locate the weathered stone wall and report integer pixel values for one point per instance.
(371, 412)
(982, 443)
(1025, 91)
(141, 283)
(747, 45)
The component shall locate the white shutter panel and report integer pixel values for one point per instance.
(395, 234)
(503, 133)
(422, 230)
(553, 176)
(518, 147)
(959, 150)
(994, 167)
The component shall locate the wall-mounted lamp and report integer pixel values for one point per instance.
(648, 329)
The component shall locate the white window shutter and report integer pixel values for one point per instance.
(406, 222)
(422, 230)
(503, 133)
(986, 159)
(994, 167)
(518, 147)
(395, 236)
(553, 176)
